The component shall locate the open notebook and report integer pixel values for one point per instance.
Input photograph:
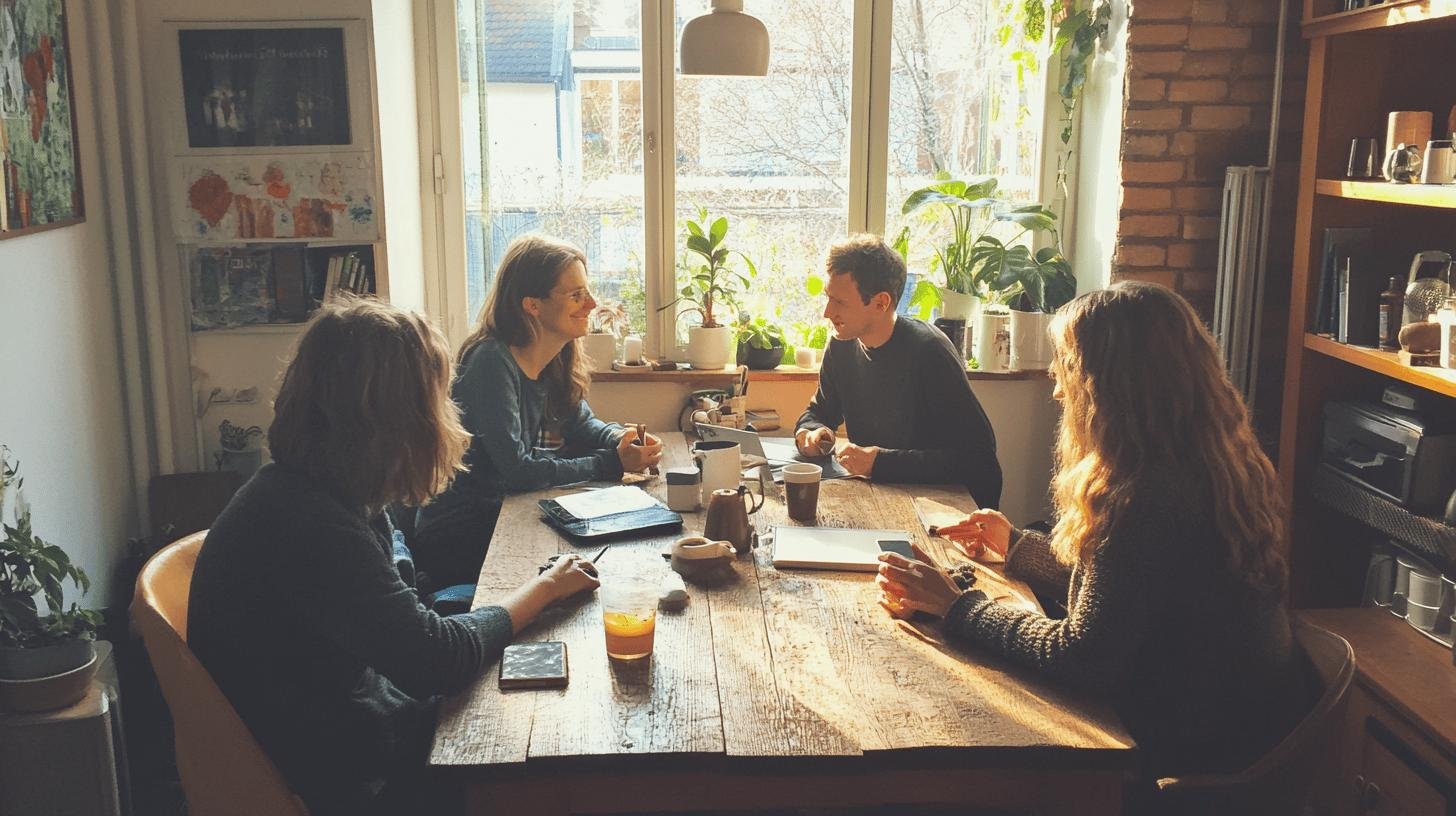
(835, 548)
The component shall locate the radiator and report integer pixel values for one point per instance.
(1238, 298)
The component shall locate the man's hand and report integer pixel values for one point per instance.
(816, 442)
(859, 461)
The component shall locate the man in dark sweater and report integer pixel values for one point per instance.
(895, 383)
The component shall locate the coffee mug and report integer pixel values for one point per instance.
(801, 490)
(1403, 164)
(993, 340)
(721, 464)
(1438, 166)
(696, 556)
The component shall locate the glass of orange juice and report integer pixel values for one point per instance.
(629, 616)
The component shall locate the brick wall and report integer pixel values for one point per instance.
(1198, 95)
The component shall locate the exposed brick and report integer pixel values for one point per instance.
(1157, 35)
(1184, 144)
(1219, 117)
(1164, 118)
(1147, 90)
(1139, 255)
(1200, 227)
(1261, 12)
(1200, 281)
(1254, 64)
(1151, 63)
(1144, 199)
(1211, 11)
(1197, 90)
(1218, 37)
(1191, 254)
(1254, 90)
(1149, 226)
(1152, 172)
(1165, 277)
(1139, 144)
(1198, 199)
(1163, 9)
(1208, 64)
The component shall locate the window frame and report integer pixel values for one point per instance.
(868, 160)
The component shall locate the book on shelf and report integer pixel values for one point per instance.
(289, 295)
(346, 271)
(1341, 244)
(231, 286)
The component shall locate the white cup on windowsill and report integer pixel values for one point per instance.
(804, 357)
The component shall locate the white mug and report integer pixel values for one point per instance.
(721, 464)
(993, 340)
(1439, 164)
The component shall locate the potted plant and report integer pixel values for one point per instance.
(607, 324)
(38, 647)
(974, 260)
(760, 343)
(711, 282)
(1034, 285)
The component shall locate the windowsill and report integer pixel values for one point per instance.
(786, 373)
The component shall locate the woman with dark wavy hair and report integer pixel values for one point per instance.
(297, 609)
(1168, 544)
(521, 384)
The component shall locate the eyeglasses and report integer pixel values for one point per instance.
(576, 296)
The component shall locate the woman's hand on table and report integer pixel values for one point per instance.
(982, 530)
(636, 458)
(568, 576)
(912, 586)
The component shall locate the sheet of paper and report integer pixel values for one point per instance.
(590, 504)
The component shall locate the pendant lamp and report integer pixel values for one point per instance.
(726, 42)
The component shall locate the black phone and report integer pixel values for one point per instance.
(897, 546)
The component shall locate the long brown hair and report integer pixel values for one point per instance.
(1143, 385)
(532, 266)
(365, 406)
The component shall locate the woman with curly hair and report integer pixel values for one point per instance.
(1168, 544)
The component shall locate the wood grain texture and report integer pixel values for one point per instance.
(800, 668)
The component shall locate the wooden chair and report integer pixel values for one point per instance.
(224, 771)
(1280, 782)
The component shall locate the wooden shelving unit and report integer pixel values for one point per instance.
(1416, 195)
(1362, 65)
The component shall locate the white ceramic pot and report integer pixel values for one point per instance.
(993, 339)
(710, 348)
(1031, 341)
(957, 306)
(600, 349)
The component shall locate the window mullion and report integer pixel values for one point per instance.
(870, 115)
(658, 52)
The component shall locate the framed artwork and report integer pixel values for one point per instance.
(262, 198)
(265, 87)
(40, 173)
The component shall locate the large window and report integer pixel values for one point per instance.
(574, 119)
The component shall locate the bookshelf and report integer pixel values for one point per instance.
(1363, 64)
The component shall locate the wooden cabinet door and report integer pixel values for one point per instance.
(1399, 773)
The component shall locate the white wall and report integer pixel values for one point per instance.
(1022, 413)
(62, 405)
(1099, 159)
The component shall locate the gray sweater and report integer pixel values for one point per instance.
(1203, 671)
(300, 616)
(911, 398)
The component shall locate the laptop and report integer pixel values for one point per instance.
(778, 450)
(836, 548)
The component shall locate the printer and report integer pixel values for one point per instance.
(1407, 456)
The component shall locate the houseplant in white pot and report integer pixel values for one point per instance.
(967, 261)
(1035, 285)
(38, 647)
(710, 283)
(607, 324)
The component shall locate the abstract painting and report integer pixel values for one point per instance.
(264, 87)
(40, 176)
(261, 197)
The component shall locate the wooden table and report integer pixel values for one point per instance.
(774, 689)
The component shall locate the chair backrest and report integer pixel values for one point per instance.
(1280, 781)
(224, 771)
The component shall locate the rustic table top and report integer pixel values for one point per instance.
(773, 663)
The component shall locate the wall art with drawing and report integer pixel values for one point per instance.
(262, 197)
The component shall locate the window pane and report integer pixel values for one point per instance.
(959, 105)
(561, 121)
(772, 153)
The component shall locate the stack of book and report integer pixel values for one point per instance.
(348, 271)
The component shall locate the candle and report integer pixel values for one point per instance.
(804, 357)
(632, 349)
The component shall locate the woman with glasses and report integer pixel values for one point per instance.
(521, 382)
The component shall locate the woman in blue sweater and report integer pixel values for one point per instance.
(297, 609)
(521, 383)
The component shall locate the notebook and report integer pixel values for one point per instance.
(835, 548)
(608, 512)
(778, 450)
